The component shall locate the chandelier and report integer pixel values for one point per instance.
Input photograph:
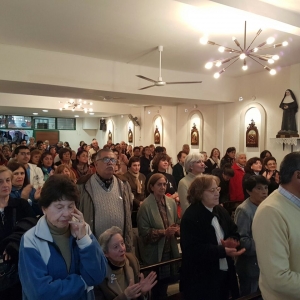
(244, 53)
(77, 104)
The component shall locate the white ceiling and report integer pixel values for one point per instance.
(129, 31)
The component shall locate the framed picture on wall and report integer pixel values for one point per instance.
(194, 136)
(156, 136)
(109, 136)
(130, 136)
(252, 135)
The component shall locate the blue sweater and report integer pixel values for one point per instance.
(43, 271)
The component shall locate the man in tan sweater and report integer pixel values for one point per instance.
(277, 236)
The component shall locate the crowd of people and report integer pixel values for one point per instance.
(91, 217)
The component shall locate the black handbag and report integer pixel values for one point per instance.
(9, 275)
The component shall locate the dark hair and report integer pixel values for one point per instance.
(198, 186)
(13, 166)
(17, 150)
(226, 156)
(68, 145)
(157, 158)
(263, 154)
(267, 159)
(250, 162)
(179, 154)
(132, 160)
(159, 149)
(135, 148)
(153, 179)
(58, 188)
(78, 154)
(227, 170)
(212, 151)
(62, 151)
(290, 164)
(23, 140)
(44, 154)
(39, 143)
(251, 182)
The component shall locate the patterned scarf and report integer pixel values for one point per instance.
(137, 181)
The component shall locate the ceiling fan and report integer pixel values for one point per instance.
(160, 82)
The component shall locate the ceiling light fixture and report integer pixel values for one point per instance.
(77, 104)
(244, 53)
(45, 110)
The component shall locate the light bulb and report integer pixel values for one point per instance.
(275, 57)
(208, 65)
(218, 63)
(60, 109)
(79, 100)
(273, 72)
(243, 56)
(91, 103)
(270, 61)
(285, 43)
(245, 67)
(270, 40)
(90, 109)
(221, 49)
(255, 49)
(73, 109)
(84, 102)
(66, 106)
(233, 38)
(203, 40)
(71, 100)
(217, 75)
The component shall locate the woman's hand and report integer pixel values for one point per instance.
(78, 228)
(147, 283)
(26, 191)
(170, 231)
(133, 290)
(232, 252)
(230, 243)
(6, 256)
(37, 193)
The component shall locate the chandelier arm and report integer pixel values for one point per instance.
(256, 61)
(226, 48)
(245, 35)
(258, 33)
(230, 64)
(262, 57)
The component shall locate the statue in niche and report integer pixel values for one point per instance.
(156, 136)
(194, 135)
(109, 137)
(289, 106)
(252, 135)
(130, 136)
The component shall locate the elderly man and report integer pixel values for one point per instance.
(105, 200)
(277, 237)
(94, 149)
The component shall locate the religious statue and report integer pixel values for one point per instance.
(289, 106)
(109, 137)
(156, 136)
(130, 136)
(252, 135)
(194, 135)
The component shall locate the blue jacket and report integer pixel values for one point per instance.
(43, 272)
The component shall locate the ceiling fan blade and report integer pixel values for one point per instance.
(146, 78)
(147, 87)
(183, 82)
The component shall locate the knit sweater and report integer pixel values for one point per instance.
(277, 238)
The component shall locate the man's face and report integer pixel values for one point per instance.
(182, 158)
(23, 156)
(95, 144)
(242, 160)
(136, 152)
(6, 152)
(23, 143)
(105, 170)
(123, 145)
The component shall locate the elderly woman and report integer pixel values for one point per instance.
(12, 210)
(209, 239)
(194, 165)
(66, 170)
(123, 279)
(271, 173)
(60, 257)
(158, 227)
(65, 157)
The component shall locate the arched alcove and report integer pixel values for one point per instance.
(195, 118)
(257, 113)
(130, 127)
(158, 124)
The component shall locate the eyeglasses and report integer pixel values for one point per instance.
(212, 190)
(106, 160)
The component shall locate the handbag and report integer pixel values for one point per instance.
(9, 275)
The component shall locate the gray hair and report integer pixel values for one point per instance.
(190, 159)
(239, 154)
(106, 236)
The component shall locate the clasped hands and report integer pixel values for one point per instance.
(142, 288)
(230, 245)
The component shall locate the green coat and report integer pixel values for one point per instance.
(148, 218)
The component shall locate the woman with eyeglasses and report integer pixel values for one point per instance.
(158, 227)
(209, 242)
(271, 173)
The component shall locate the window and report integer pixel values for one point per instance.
(66, 124)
